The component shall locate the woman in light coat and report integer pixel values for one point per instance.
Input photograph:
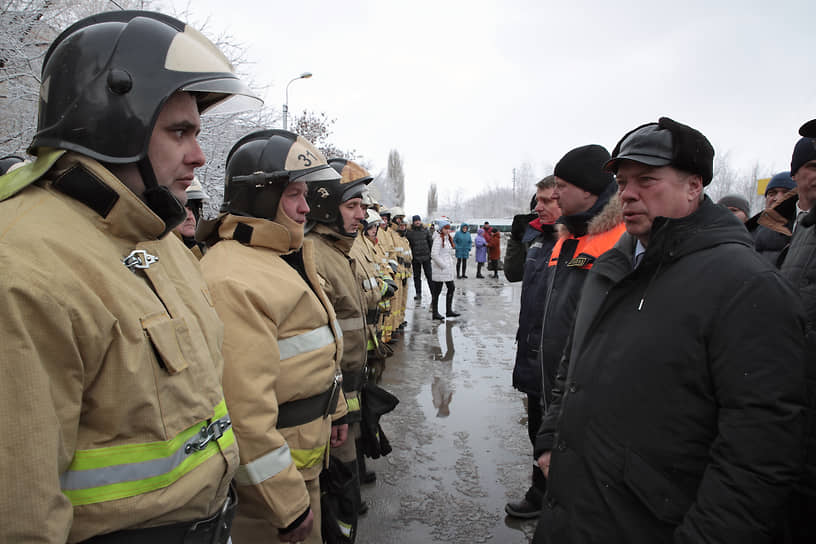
(442, 269)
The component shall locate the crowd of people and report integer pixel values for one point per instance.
(171, 378)
(665, 345)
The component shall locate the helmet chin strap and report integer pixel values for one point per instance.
(159, 198)
(340, 226)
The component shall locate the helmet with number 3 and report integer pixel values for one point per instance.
(261, 164)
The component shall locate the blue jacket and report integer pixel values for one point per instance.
(463, 243)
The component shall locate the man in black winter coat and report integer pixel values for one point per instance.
(584, 194)
(420, 239)
(799, 267)
(771, 228)
(540, 238)
(677, 415)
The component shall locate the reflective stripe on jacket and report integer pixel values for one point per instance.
(117, 472)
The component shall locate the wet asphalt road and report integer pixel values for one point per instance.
(459, 433)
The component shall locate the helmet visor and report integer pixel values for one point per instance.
(323, 172)
(223, 96)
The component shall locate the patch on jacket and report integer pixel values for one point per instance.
(581, 261)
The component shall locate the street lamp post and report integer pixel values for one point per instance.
(304, 75)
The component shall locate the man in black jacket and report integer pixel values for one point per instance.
(800, 268)
(678, 410)
(540, 237)
(584, 193)
(420, 239)
(771, 228)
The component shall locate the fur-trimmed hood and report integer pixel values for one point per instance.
(610, 216)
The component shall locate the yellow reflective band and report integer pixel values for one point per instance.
(353, 404)
(308, 458)
(345, 528)
(371, 345)
(118, 472)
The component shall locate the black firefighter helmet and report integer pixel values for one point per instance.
(106, 78)
(261, 164)
(325, 197)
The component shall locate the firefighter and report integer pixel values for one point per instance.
(282, 341)
(111, 350)
(194, 208)
(387, 269)
(404, 258)
(387, 244)
(336, 212)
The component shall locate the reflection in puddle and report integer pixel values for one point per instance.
(442, 395)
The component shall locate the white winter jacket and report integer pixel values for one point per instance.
(442, 259)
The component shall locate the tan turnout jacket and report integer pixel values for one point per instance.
(336, 270)
(107, 372)
(282, 343)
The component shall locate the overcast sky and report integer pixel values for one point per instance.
(466, 91)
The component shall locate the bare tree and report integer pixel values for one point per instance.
(729, 180)
(433, 203)
(397, 176)
(316, 127)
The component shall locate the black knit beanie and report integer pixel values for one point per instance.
(804, 151)
(583, 167)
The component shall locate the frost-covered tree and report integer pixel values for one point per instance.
(317, 128)
(396, 175)
(433, 200)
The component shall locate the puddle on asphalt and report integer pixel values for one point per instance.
(460, 452)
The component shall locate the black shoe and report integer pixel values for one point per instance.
(522, 509)
(368, 477)
(465, 277)
(479, 276)
(438, 316)
(363, 508)
(451, 313)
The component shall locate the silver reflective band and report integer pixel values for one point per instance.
(306, 342)
(139, 258)
(370, 283)
(264, 467)
(338, 328)
(130, 472)
(351, 324)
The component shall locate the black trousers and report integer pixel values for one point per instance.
(461, 264)
(418, 268)
(534, 415)
(436, 290)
